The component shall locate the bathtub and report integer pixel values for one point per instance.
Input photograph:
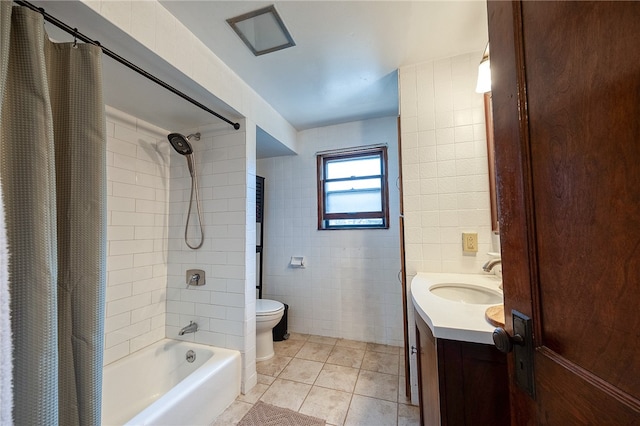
(158, 386)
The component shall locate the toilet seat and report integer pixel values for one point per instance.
(268, 307)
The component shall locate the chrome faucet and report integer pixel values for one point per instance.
(487, 267)
(194, 280)
(191, 328)
(492, 263)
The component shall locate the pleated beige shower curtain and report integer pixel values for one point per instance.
(52, 169)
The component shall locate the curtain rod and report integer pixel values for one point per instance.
(78, 35)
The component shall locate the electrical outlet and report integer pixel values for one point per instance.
(470, 242)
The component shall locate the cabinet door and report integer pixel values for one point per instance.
(474, 384)
(427, 375)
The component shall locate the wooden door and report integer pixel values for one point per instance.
(566, 108)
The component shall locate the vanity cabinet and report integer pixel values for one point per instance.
(460, 383)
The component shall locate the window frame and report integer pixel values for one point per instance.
(323, 217)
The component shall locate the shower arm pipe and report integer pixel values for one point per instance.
(78, 35)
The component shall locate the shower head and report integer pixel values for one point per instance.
(181, 143)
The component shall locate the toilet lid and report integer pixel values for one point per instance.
(265, 306)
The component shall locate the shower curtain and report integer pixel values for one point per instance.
(52, 169)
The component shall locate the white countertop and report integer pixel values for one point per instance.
(452, 320)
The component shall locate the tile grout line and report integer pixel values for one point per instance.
(367, 348)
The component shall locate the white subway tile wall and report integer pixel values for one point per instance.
(224, 307)
(147, 258)
(350, 287)
(445, 173)
(137, 213)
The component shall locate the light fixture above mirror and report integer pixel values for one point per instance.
(484, 73)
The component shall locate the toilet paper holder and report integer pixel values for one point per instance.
(297, 262)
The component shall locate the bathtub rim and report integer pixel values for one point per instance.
(220, 360)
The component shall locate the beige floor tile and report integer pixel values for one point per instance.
(345, 382)
(328, 404)
(322, 339)
(298, 336)
(287, 347)
(353, 344)
(408, 415)
(345, 356)
(365, 411)
(233, 414)
(388, 349)
(314, 352)
(337, 377)
(254, 394)
(286, 394)
(265, 380)
(377, 385)
(274, 366)
(380, 362)
(301, 370)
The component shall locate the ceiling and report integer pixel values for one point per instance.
(344, 65)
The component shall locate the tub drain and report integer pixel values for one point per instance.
(191, 356)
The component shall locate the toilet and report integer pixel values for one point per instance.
(268, 315)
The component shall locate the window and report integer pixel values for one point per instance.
(352, 189)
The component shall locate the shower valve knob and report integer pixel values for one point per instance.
(195, 277)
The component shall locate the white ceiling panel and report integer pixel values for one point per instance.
(344, 65)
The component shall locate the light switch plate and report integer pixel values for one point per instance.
(470, 242)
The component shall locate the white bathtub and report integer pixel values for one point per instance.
(158, 386)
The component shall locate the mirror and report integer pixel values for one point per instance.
(488, 120)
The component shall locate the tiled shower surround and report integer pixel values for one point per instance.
(147, 258)
(137, 215)
(350, 286)
(224, 307)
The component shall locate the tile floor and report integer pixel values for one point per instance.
(342, 381)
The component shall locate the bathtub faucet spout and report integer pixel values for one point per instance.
(191, 328)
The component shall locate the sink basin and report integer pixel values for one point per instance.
(466, 293)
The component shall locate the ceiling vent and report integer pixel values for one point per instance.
(262, 31)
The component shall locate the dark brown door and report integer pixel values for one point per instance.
(566, 107)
